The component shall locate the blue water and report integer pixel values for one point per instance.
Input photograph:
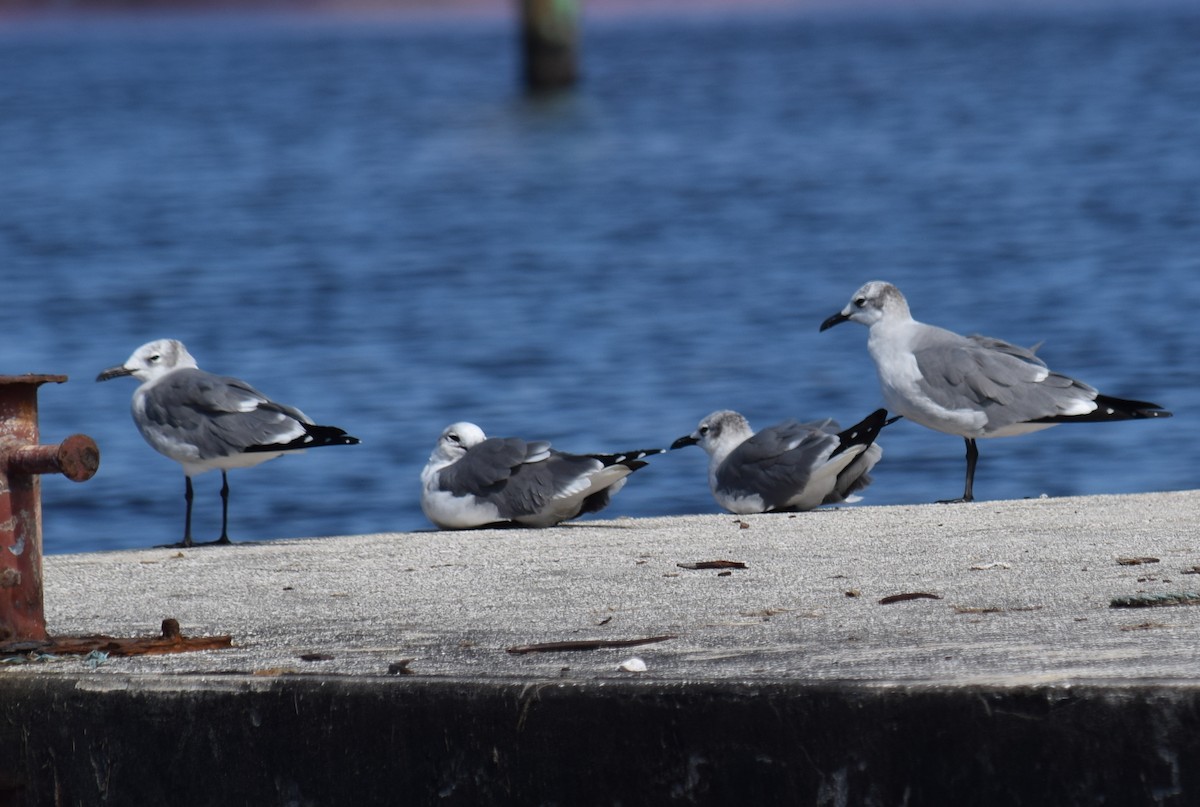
(370, 221)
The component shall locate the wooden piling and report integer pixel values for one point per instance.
(550, 43)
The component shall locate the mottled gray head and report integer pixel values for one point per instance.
(152, 360)
(720, 432)
(871, 303)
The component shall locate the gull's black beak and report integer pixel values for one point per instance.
(686, 440)
(836, 319)
(113, 372)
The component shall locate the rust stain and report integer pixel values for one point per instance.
(172, 640)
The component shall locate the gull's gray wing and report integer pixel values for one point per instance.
(487, 468)
(778, 461)
(532, 486)
(218, 415)
(1010, 384)
(523, 479)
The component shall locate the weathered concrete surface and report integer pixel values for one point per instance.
(1036, 612)
(787, 682)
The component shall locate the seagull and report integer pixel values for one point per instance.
(788, 467)
(472, 480)
(206, 422)
(973, 386)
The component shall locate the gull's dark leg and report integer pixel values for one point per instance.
(969, 489)
(187, 521)
(187, 542)
(224, 539)
(972, 458)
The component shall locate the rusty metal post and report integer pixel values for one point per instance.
(549, 40)
(22, 461)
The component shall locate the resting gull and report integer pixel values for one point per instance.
(472, 480)
(206, 422)
(972, 386)
(788, 467)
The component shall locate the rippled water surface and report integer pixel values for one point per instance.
(371, 222)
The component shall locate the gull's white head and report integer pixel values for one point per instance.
(718, 434)
(456, 440)
(871, 303)
(152, 360)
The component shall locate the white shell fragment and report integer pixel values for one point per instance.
(634, 664)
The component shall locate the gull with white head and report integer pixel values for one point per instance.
(972, 386)
(472, 480)
(207, 422)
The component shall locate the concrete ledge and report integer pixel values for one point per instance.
(789, 681)
(307, 740)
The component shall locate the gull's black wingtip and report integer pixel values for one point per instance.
(863, 432)
(330, 436)
(1110, 408)
(632, 460)
(314, 437)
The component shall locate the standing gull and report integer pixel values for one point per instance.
(972, 386)
(472, 480)
(204, 421)
(789, 467)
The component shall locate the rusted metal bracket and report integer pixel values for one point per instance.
(22, 463)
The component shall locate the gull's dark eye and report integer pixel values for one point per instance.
(453, 438)
(860, 302)
(154, 358)
(703, 430)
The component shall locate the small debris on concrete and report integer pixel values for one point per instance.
(912, 595)
(987, 567)
(26, 658)
(315, 657)
(992, 609)
(1156, 600)
(633, 665)
(94, 659)
(401, 667)
(585, 644)
(1135, 561)
(713, 564)
(764, 613)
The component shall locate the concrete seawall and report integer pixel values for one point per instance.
(377, 669)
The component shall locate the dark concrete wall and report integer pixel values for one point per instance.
(395, 741)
